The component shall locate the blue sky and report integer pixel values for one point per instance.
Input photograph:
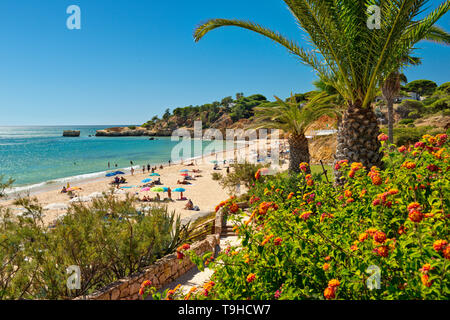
(132, 59)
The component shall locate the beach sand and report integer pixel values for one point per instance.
(204, 192)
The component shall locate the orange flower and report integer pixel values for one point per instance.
(363, 192)
(376, 180)
(251, 217)
(192, 290)
(355, 166)
(413, 206)
(329, 293)
(371, 231)
(258, 174)
(415, 216)
(310, 182)
(426, 267)
(363, 236)
(350, 200)
(266, 239)
(326, 266)
(393, 191)
(251, 277)
(425, 280)
(327, 258)
(303, 166)
(446, 252)
(144, 285)
(334, 283)
(379, 237)
(347, 193)
(439, 245)
(305, 215)
(234, 208)
(290, 195)
(382, 251)
(383, 137)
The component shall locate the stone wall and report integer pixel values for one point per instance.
(163, 271)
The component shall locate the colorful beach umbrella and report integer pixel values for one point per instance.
(154, 174)
(146, 180)
(145, 189)
(184, 174)
(184, 170)
(179, 190)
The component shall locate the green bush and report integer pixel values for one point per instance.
(407, 135)
(406, 121)
(132, 127)
(383, 235)
(108, 240)
(240, 174)
(216, 176)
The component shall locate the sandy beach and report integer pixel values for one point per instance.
(203, 191)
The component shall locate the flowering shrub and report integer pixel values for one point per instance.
(315, 240)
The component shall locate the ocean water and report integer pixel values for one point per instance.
(39, 156)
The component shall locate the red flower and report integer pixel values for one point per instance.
(277, 241)
(376, 180)
(415, 216)
(419, 144)
(383, 137)
(303, 166)
(290, 195)
(433, 168)
(379, 237)
(258, 174)
(234, 208)
(326, 266)
(402, 149)
(382, 251)
(439, 245)
(251, 277)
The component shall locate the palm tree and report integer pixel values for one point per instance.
(294, 119)
(390, 90)
(351, 57)
(391, 86)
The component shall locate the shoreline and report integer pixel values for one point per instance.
(204, 192)
(57, 183)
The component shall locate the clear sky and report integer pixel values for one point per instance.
(132, 59)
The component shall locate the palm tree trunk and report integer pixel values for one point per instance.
(390, 107)
(358, 138)
(298, 151)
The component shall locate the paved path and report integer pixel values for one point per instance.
(195, 277)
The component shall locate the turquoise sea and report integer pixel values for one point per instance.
(40, 156)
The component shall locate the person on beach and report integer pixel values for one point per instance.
(169, 162)
(189, 205)
(143, 169)
(64, 190)
(131, 162)
(158, 198)
(109, 165)
(132, 171)
(115, 165)
(169, 193)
